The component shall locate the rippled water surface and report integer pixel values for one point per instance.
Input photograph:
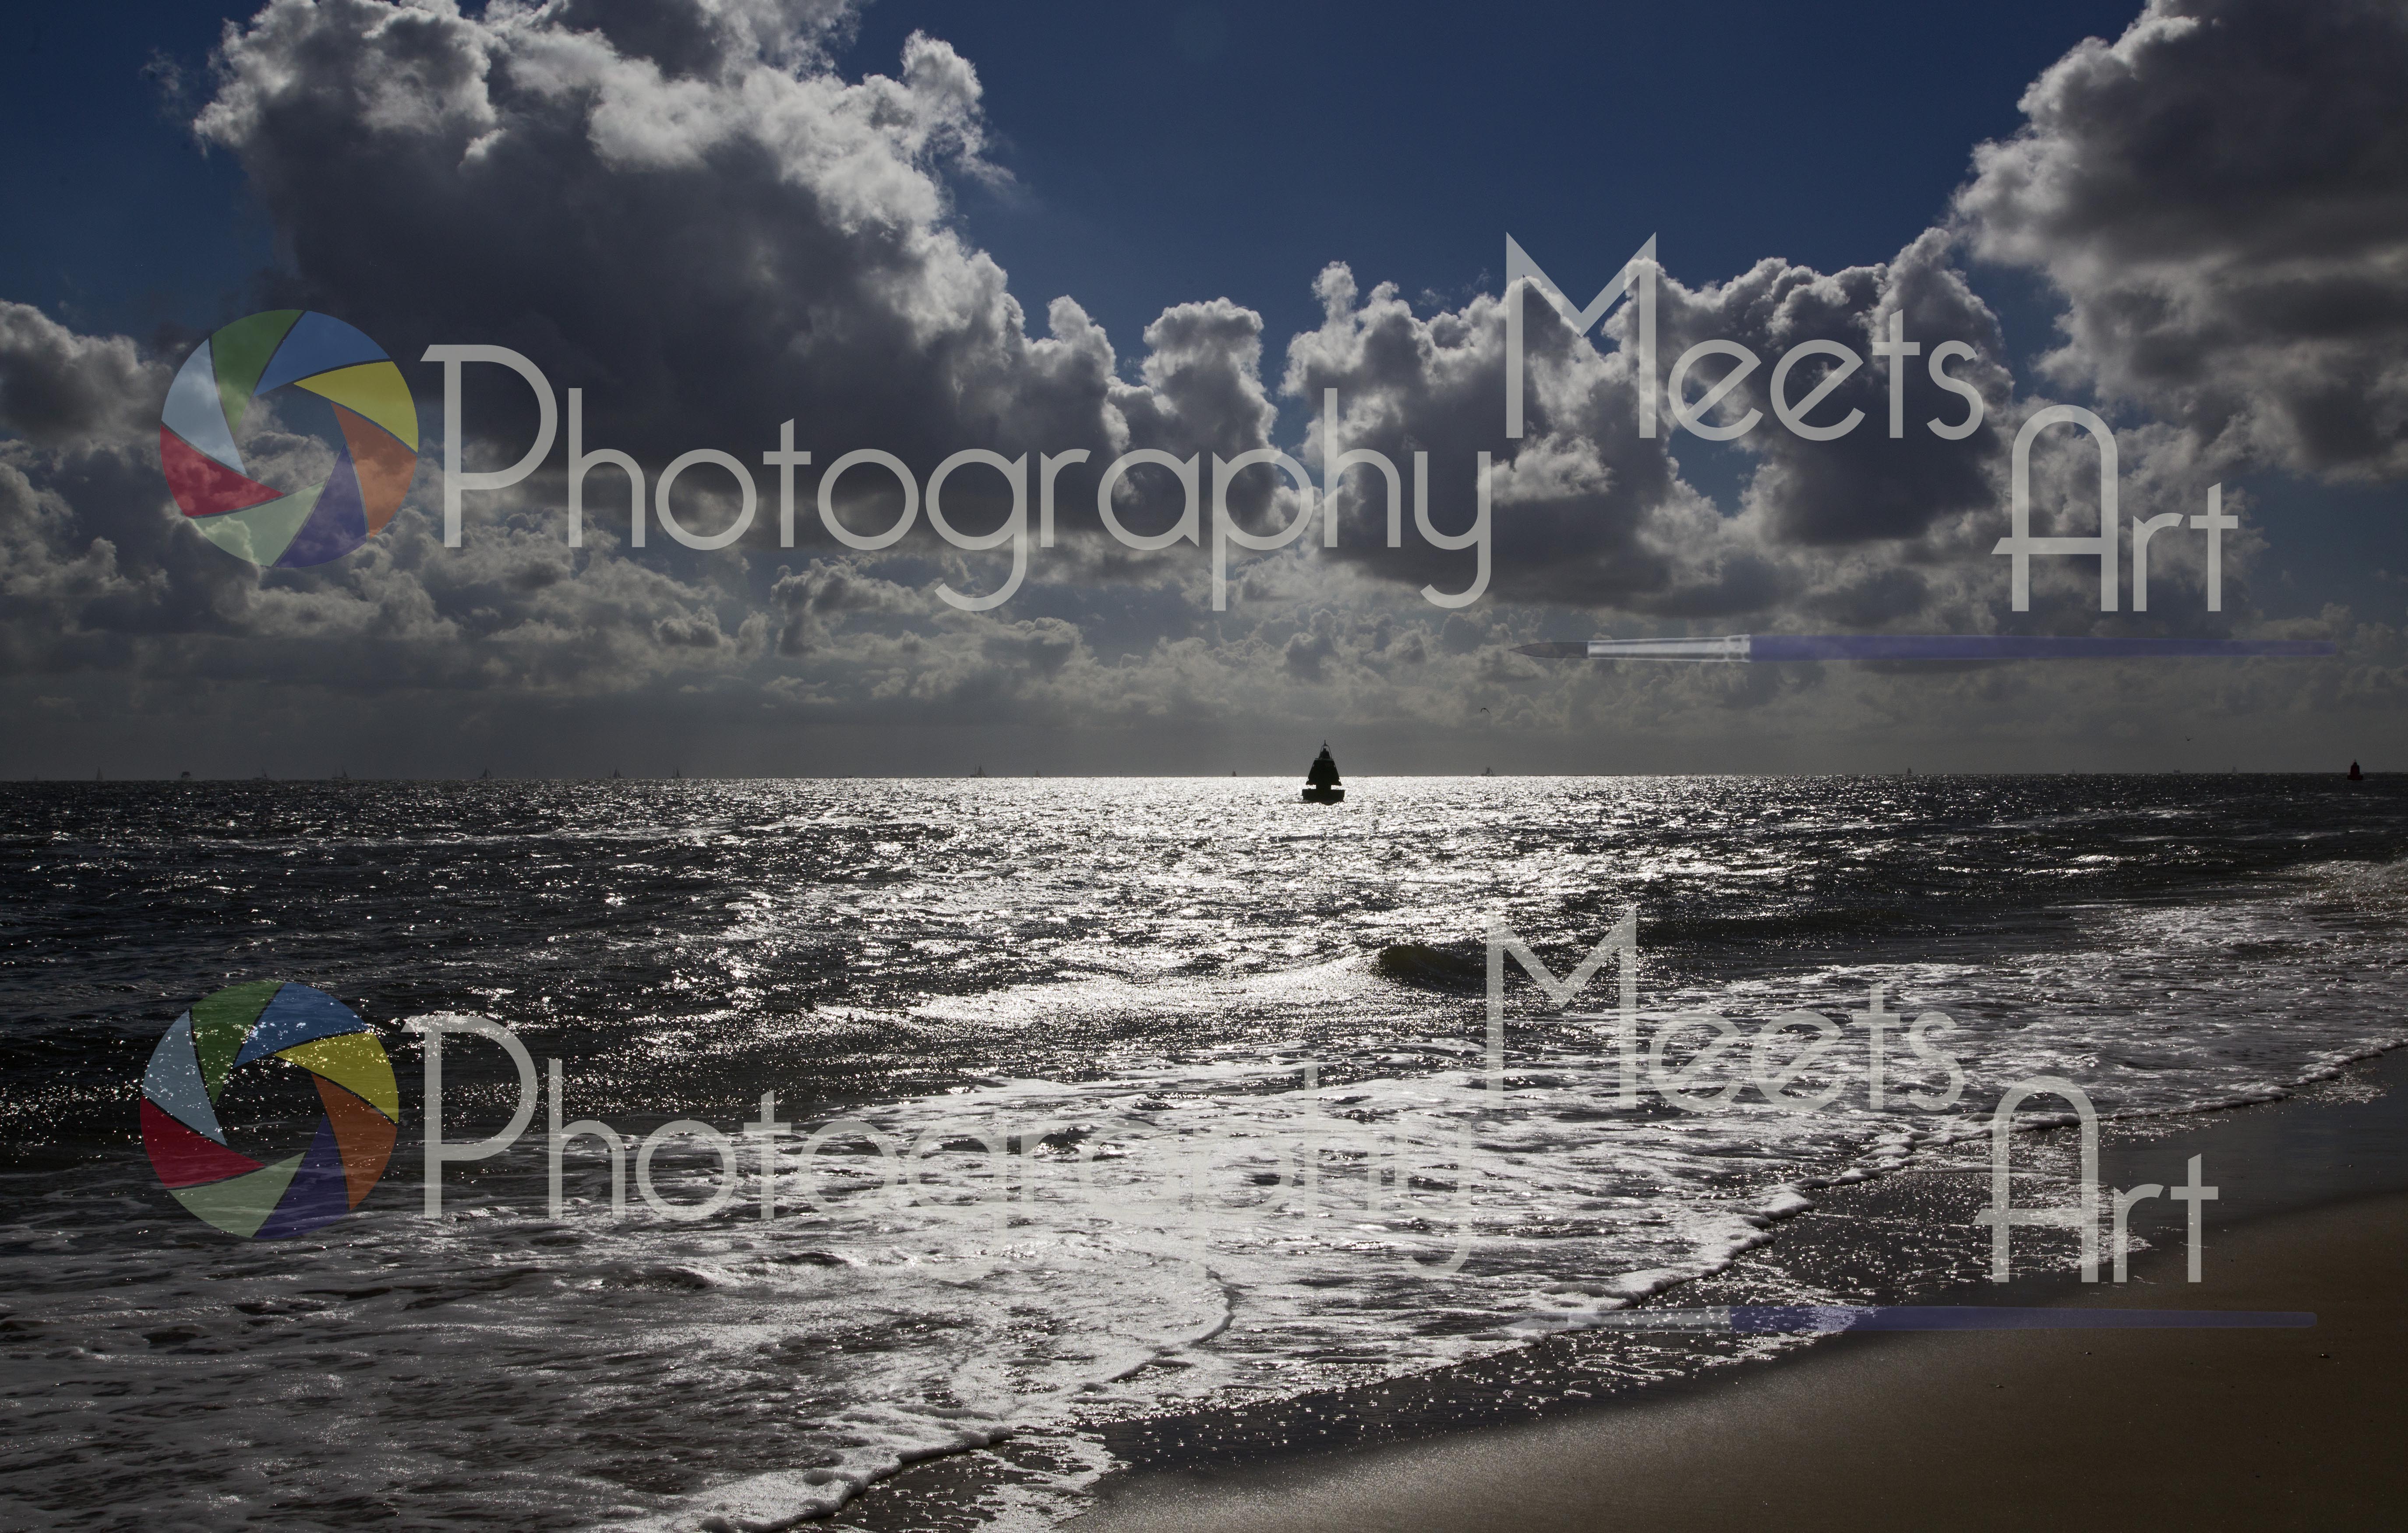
(1132, 1095)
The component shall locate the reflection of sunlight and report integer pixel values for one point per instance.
(1233, 1060)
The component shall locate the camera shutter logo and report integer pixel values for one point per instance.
(332, 383)
(256, 1030)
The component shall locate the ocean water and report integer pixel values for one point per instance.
(1110, 1099)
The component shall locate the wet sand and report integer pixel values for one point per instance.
(2078, 1430)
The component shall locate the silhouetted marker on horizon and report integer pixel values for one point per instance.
(1321, 782)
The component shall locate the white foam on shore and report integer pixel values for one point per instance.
(1575, 1210)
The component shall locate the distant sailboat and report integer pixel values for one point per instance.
(614, 774)
(2355, 775)
(1488, 771)
(486, 775)
(980, 770)
(1321, 782)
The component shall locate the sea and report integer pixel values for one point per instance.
(1084, 1102)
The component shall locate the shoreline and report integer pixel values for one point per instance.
(2087, 1428)
(2335, 1143)
(1903, 1236)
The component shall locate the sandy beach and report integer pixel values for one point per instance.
(2282, 1429)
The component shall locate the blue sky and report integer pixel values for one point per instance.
(1303, 133)
(137, 228)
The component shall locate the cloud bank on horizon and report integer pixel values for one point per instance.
(689, 212)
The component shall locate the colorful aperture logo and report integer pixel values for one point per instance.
(255, 1071)
(289, 438)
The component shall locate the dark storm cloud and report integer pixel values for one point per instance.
(1585, 510)
(1865, 486)
(706, 244)
(58, 388)
(1590, 512)
(2221, 195)
(810, 605)
(683, 209)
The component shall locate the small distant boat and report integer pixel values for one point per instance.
(980, 770)
(614, 774)
(486, 775)
(1488, 771)
(2355, 775)
(1321, 782)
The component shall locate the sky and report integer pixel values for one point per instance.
(926, 228)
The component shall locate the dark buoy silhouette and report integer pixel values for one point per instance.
(1321, 782)
(2355, 775)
